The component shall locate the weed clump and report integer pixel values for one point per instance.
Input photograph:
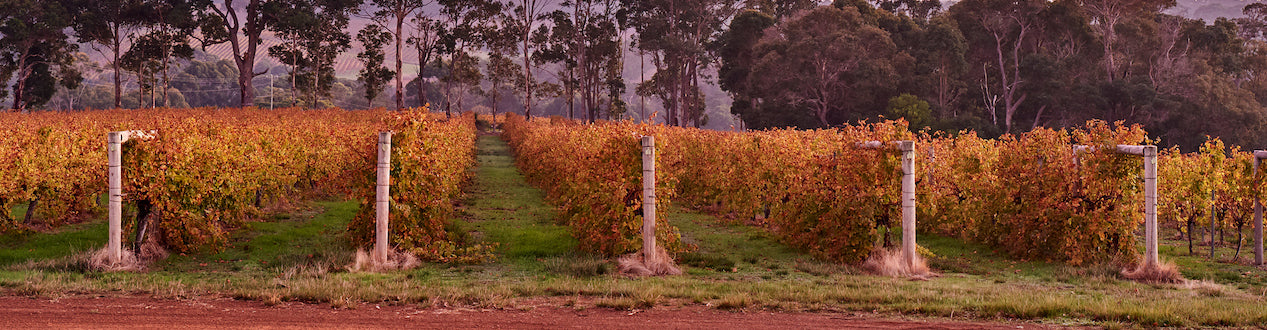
(128, 261)
(394, 261)
(1160, 273)
(889, 262)
(634, 264)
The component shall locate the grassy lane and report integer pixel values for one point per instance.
(505, 210)
(311, 237)
(66, 241)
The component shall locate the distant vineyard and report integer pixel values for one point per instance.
(201, 172)
(1215, 186)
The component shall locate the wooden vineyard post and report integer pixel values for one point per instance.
(1149, 153)
(648, 200)
(1150, 199)
(114, 161)
(1259, 155)
(1150, 205)
(1212, 224)
(383, 196)
(908, 196)
(908, 201)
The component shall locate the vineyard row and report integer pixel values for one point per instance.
(196, 175)
(1036, 196)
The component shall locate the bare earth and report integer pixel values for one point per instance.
(98, 312)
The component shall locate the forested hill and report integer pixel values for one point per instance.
(991, 66)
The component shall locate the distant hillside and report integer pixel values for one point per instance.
(1210, 10)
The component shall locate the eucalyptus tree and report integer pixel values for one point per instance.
(1108, 14)
(313, 36)
(149, 58)
(109, 23)
(242, 29)
(426, 39)
(676, 33)
(171, 28)
(395, 13)
(825, 63)
(502, 73)
(374, 76)
(465, 25)
(35, 52)
(1002, 33)
(522, 23)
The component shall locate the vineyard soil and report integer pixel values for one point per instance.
(294, 261)
(128, 312)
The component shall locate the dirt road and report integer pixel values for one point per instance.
(144, 312)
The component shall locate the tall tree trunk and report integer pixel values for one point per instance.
(294, 73)
(166, 83)
(30, 211)
(400, 74)
(527, 55)
(19, 89)
(316, 82)
(422, 91)
(244, 55)
(642, 74)
(118, 80)
(448, 89)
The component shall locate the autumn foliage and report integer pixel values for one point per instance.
(816, 190)
(1034, 195)
(593, 174)
(1216, 178)
(430, 162)
(204, 171)
(821, 191)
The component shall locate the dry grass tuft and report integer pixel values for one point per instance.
(889, 262)
(100, 260)
(634, 264)
(1165, 272)
(395, 261)
(1205, 288)
(152, 251)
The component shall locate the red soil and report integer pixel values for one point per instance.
(98, 312)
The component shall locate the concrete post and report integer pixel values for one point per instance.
(908, 201)
(1150, 205)
(383, 196)
(648, 200)
(1258, 210)
(114, 171)
(1212, 202)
